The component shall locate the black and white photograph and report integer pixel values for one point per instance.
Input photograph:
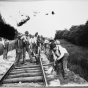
(43, 43)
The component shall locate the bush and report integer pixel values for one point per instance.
(78, 59)
(77, 35)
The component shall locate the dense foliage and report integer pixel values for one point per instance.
(6, 30)
(76, 34)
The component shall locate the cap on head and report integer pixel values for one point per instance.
(52, 45)
(19, 36)
(57, 42)
(46, 41)
(26, 32)
(36, 33)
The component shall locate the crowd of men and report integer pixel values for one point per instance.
(34, 44)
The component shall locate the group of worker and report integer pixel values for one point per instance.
(59, 56)
(34, 44)
(26, 42)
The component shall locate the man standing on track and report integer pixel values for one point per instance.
(26, 44)
(19, 49)
(36, 43)
(46, 45)
(39, 43)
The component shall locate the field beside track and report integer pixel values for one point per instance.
(78, 59)
(11, 46)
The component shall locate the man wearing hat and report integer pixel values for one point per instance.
(35, 45)
(47, 48)
(46, 45)
(26, 44)
(60, 56)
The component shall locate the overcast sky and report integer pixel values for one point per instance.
(67, 13)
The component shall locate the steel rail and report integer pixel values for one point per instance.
(13, 66)
(44, 76)
(6, 74)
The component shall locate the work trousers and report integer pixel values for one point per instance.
(26, 48)
(19, 53)
(61, 65)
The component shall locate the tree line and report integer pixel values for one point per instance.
(6, 30)
(77, 34)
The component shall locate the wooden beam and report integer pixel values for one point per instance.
(24, 75)
(24, 71)
(27, 66)
(24, 79)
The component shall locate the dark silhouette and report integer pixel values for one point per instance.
(6, 30)
(53, 13)
(76, 34)
(23, 21)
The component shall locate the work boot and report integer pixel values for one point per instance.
(17, 64)
(22, 62)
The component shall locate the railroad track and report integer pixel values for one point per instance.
(26, 74)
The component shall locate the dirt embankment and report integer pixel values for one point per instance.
(78, 59)
(5, 64)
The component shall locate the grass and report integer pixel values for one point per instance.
(78, 59)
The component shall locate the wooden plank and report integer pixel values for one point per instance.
(27, 66)
(24, 71)
(6, 74)
(24, 79)
(27, 63)
(31, 65)
(37, 84)
(24, 75)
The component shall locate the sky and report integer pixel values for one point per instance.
(67, 13)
